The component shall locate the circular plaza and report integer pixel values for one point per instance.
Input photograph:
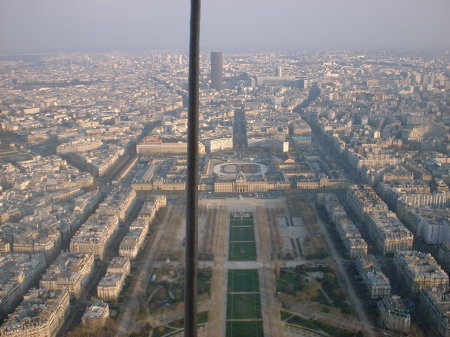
(232, 169)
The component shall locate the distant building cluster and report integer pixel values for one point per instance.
(97, 232)
(39, 181)
(157, 145)
(71, 124)
(19, 272)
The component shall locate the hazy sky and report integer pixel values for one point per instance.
(55, 25)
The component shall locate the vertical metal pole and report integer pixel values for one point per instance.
(190, 290)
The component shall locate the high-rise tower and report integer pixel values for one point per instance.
(217, 70)
(279, 72)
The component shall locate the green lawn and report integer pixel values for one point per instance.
(245, 329)
(242, 251)
(238, 221)
(243, 280)
(243, 306)
(241, 223)
(247, 222)
(243, 299)
(242, 245)
(242, 234)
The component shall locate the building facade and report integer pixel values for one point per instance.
(394, 315)
(419, 271)
(41, 314)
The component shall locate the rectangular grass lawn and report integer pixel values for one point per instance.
(242, 234)
(243, 306)
(241, 223)
(244, 329)
(238, 221)
(247, 222)
(243, 280)
(242, 251)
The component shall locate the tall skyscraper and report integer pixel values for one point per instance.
(279, 72)
(217, 70)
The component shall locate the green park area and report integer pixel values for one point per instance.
(168, 288)
(243, 306)
(243, 301)
(241, 219)
(314, 245)
(242, 251)
(242, 234)
(243, 280)
(314, 284)
(242, 246)
(244, 329)
(244, 317)
(298, 206)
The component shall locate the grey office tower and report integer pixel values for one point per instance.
(217, 70)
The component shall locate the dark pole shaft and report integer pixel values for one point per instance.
(190, 297)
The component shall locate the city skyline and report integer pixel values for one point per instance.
(324, 189)
(322, 177)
